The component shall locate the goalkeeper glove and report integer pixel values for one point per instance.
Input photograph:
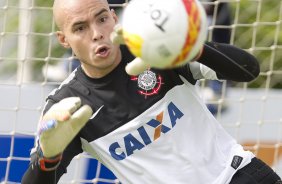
(60, 125)
(136, 66)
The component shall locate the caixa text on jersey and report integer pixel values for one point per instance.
(132, 143)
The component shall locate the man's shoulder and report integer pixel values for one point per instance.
(71, 86)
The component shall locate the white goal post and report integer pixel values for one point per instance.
(32, 63)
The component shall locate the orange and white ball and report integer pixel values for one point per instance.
(164, 33)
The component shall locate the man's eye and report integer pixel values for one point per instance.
(80, 28)
(103, 19)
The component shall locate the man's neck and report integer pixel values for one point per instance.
(95, 72)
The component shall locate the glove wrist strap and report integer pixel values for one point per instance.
(48, 164)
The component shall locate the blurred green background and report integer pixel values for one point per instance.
(256, 27)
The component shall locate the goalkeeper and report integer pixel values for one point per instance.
(147, 128)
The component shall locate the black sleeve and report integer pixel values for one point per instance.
(34, 175)
(229, 62)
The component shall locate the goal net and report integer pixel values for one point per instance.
(32, 64)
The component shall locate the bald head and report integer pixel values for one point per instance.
(62, 8)
(58, 12)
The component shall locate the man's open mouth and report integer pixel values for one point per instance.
(102, 51)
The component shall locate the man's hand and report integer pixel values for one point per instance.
(60, 125)
(136, 66)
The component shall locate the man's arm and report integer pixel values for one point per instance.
(229, 62)
(57, 141)
(34, 174)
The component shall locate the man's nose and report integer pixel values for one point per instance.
(97, 35)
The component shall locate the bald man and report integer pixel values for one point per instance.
(150, 128)
(86, 28)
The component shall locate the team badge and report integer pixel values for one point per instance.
(148, 82)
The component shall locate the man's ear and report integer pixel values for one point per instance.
(114, 15)
(62, 39)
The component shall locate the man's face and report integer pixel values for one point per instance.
(86, 28)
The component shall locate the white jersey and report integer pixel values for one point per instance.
(175, 141)
(153, 128)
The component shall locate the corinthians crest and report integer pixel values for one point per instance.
(148, 82)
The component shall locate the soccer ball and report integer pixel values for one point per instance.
(164, 33)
